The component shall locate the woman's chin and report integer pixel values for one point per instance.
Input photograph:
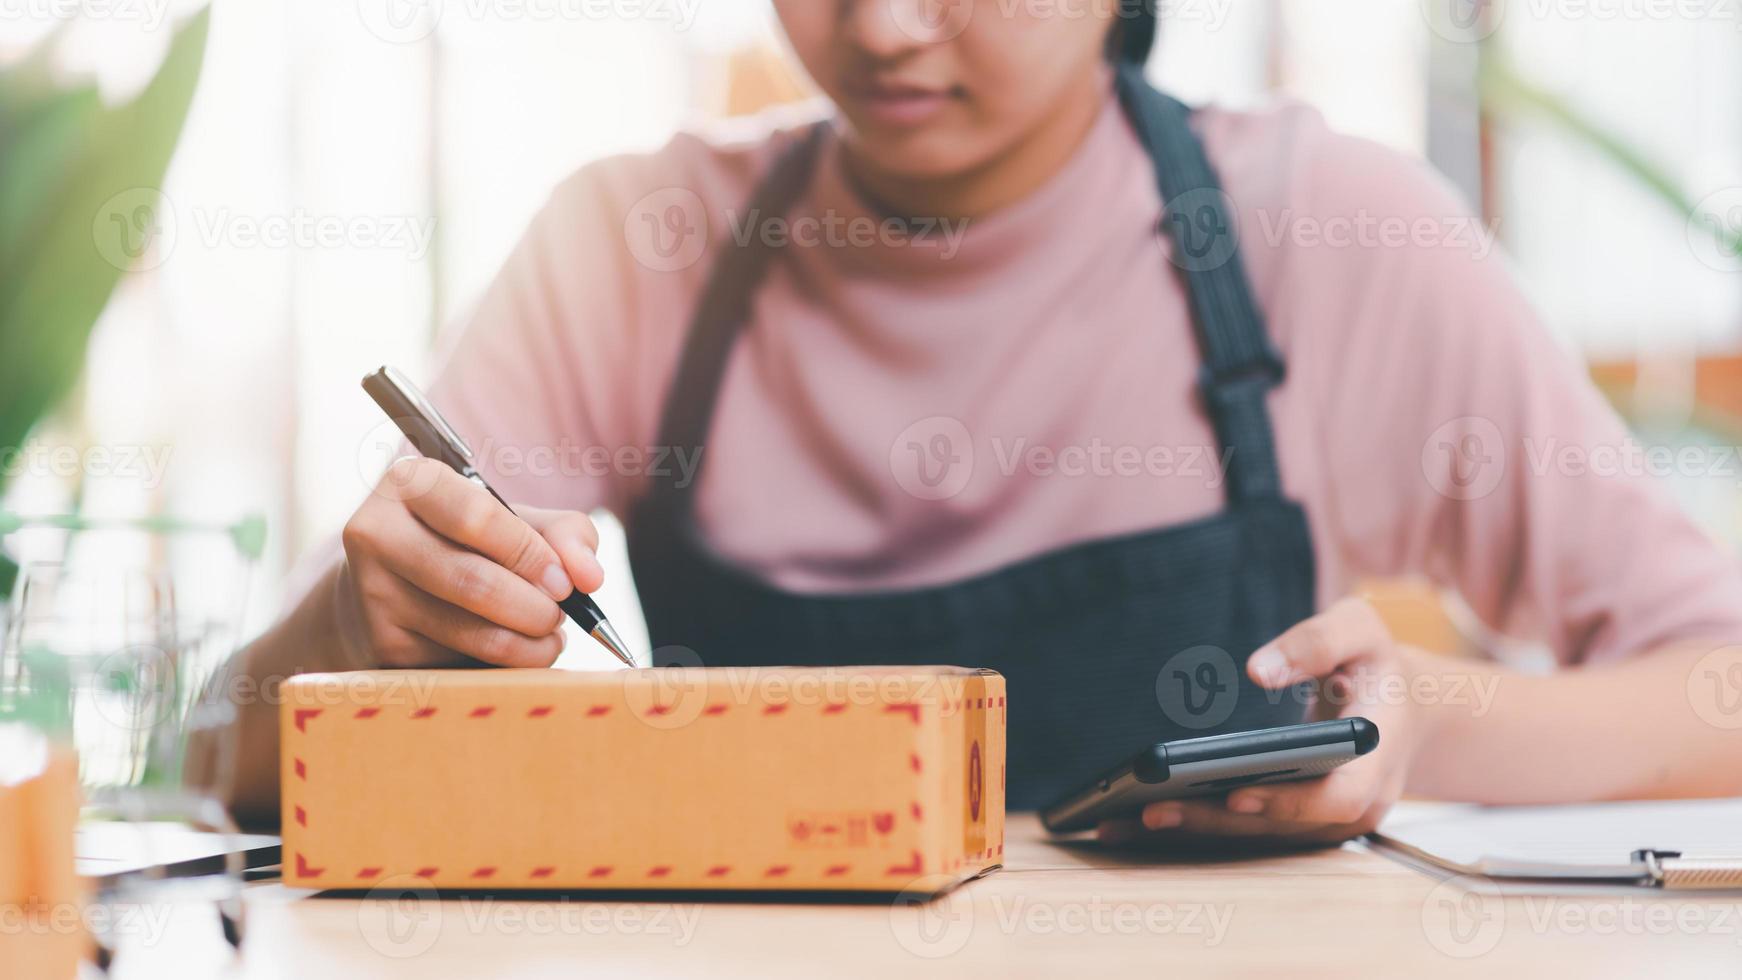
(914, 156)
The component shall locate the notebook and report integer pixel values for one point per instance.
(1681, 844)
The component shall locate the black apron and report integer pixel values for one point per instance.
(1107, 646)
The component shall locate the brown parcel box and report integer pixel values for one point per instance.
(885, 779)
(42, 898)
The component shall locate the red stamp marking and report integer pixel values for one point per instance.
(719, 870)
(423, 712)
(301, 817)
(484, 872)
(976, 781)
(482, 711)
(367, 712)
(834, 709)
(915, 865)
(884, 822)
(544, 872)
(659, 709)
(912, 710)
(777, 871)
(714, 709)
(303, 715)
(598, 709)
(836, 870)
(301, 770)
(913, 760)
(304, 869)
(774, 709)
(426, 872)
(369, 873)
(916, 812)
(540, 711)
(659, 872)
(603, 871)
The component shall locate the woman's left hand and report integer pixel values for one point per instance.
(1357, 670)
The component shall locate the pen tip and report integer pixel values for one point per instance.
(609, 639)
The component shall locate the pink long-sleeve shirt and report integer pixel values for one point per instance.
(911, 410)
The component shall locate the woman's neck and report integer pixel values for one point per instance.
(1007, 178)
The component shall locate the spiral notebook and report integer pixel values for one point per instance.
(1680, 844)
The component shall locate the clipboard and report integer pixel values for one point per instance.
(1676, 845)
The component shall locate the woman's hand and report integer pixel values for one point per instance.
(436, 571)
(1357, 670)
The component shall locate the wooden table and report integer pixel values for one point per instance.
(1053, 910)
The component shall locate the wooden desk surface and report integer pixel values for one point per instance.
(1052, 910)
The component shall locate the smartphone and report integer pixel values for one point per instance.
(1210, 766)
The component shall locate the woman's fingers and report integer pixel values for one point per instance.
(399, 647)
(1318, 813)
(1122, 831)
(1211, 817)
(453, 628)
(1338, 798)
(575, 540)
(474, 583)
(438, 567)
(1347, 631)
(469, 515)
(1343, 801)
(1350, 651)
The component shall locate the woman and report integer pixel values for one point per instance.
(1129, 457)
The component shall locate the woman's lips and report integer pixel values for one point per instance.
(893, 105)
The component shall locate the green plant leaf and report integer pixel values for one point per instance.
(1508, 93)
(40, 145)
(68, 162)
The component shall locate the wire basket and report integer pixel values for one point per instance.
(112, 644)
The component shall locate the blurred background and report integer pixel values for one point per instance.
(351, 173)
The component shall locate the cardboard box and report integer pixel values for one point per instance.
(883, 779)
(42, 899)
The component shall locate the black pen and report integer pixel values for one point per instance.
(431, 435)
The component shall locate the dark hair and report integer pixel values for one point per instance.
(1133, 33)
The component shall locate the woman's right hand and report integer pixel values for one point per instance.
(437, 571)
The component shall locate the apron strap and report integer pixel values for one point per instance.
(724, 309)
(1240, 365)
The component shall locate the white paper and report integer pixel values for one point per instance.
(1572, 840)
